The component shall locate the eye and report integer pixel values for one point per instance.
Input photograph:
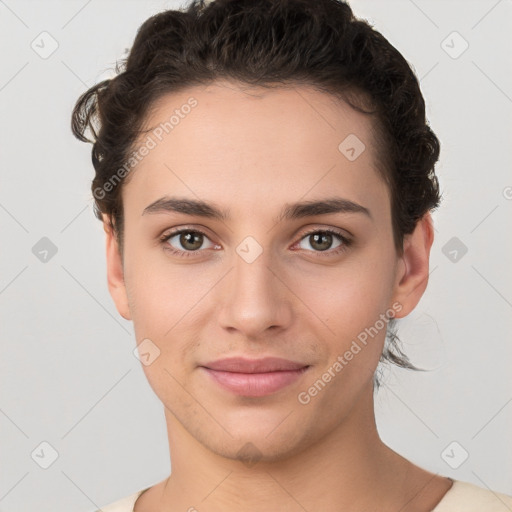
(321, 240)
(188, 241)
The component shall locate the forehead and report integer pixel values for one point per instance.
(250, 113)
(252, 143)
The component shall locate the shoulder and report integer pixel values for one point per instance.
(123, 505)
(466, 497)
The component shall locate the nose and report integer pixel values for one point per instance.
(255, 298)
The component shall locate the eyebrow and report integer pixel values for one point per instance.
(289, 211)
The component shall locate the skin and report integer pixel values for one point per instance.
(250, 151)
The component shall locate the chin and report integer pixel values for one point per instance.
(256, 450)
(250, 443)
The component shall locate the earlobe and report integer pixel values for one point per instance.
(412, 276)
(115, 272)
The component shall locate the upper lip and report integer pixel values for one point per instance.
(243, 365)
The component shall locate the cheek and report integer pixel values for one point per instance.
(165, 301)
(163, 313)
(350, 302)
(160, 292)
(353, 334)
(349, 297)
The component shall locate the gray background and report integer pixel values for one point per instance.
(68, 376)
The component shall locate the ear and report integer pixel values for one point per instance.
(115, 272)
(413, 266)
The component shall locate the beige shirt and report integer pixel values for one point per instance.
(462, 497)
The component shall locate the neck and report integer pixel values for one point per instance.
(347, 469)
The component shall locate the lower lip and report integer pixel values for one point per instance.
(255, 384)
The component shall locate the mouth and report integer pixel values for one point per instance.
(254, 377)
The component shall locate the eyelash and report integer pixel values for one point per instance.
(346, 242)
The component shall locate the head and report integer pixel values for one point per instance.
(252, 107)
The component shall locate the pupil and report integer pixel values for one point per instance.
(323, 247)
(187, 238)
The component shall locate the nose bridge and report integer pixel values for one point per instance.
(252, 275)
(254, 298)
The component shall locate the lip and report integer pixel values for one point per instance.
(244, 365)
(254, 377)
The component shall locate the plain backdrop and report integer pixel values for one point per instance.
(80, 426)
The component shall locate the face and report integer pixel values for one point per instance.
(268, 278)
